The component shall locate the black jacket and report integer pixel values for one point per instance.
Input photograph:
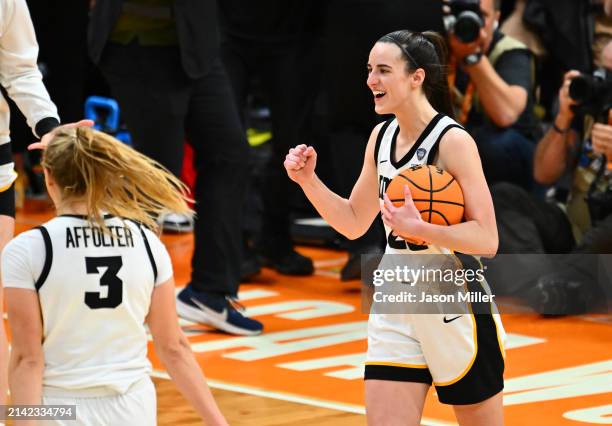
(566, 28)
(196, 22)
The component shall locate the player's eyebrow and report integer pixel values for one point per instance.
(380, 66)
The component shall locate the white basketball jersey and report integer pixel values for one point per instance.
(95, 291)
(422, 152)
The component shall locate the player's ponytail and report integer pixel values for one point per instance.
(92, 167)
(428, 51)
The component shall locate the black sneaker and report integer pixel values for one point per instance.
(249, 268)
(352, 268)
(291, 263)
(219, 313)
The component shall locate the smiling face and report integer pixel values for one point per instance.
(388, 78)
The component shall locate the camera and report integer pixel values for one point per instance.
(600, 205)
(554, 296)
(465, 20)
(593, 93)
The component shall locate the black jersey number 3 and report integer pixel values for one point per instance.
(109, 279)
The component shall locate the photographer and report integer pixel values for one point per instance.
(578, 228)
(575, 144)
(494, 88)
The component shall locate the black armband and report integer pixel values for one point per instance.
(7, 202)
(45, 125)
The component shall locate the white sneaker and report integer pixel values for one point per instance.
(176, 222)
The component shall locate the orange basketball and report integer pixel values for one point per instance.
(436, 194)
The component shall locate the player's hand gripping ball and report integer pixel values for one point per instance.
(436, 194)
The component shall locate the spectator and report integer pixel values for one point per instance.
(495, 76)
(161, 61)
(579, 227)
(274, 41)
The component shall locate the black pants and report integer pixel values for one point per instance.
(528, 226)
(507, 155)
(287, 72)
(161, 107)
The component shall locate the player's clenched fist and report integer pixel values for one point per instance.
(300, 163)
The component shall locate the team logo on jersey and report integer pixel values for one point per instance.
(421, 153)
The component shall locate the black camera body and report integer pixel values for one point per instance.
(600, 205)
(465, 20)
(592, 93)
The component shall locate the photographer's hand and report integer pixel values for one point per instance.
(551, 155)
(566, 114)
(460, 50)
(601, 136)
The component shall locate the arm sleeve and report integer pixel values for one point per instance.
(19, 72)
(515, 68)
(18, 270)
(161, 258)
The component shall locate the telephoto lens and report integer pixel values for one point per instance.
(582, 88)
(465, 20)
(592, 93)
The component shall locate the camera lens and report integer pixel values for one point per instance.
(580, 88)
(467, 27)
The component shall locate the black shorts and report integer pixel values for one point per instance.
(478, 377)
(7, 201)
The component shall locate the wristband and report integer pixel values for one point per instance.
(45, 125)
(558, 130)
(472, 59)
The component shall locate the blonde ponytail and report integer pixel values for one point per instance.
(108, 176)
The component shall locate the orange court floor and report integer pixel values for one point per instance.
(307, 367)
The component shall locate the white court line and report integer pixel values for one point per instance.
(314, 402)
(324, 273)
(331, 262)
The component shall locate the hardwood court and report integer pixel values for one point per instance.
(306, 369)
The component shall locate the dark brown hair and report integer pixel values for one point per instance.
(428, 51)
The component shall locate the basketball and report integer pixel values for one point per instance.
(436, 194)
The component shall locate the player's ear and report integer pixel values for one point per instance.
(49, 178)
(418, 78)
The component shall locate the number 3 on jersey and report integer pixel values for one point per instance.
(109, 278)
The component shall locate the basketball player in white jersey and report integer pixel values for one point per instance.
(407, 353)
(81, 288)
(20, 76)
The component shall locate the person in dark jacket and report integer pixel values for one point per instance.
(160, 58)
(275, 41)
